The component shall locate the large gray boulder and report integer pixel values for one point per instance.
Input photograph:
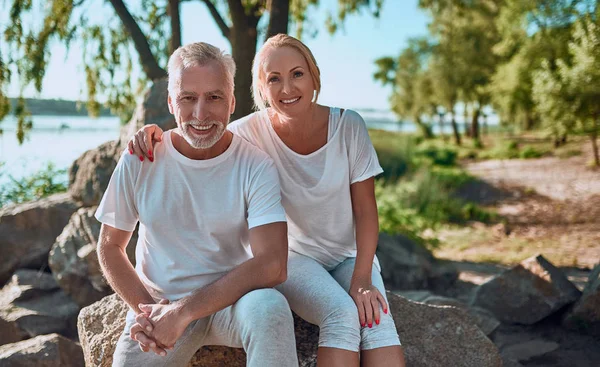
(431, 336)
(585, 314)
(43, 351)
(406, 265)
(89, 174)
(483, 318)
(526, 293)
(32, 304)
(74, 261)
(28, 230)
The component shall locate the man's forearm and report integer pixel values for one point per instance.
(253, 274)
(122, 277)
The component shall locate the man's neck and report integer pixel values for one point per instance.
(183, 147)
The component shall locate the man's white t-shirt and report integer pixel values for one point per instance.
(194, 215)
(315, 188)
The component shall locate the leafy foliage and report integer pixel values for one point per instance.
(41, 184)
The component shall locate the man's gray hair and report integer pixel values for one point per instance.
(199, 53)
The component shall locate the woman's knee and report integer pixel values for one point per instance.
(341, 327)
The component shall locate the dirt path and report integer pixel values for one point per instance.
(549, 205)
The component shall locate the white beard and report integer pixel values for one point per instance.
(202, 142)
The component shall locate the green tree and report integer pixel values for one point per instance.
(146, 34)
(466, 34)
(531, 31)
(411, 86)
(568, 97)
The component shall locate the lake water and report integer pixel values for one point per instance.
(62, 139)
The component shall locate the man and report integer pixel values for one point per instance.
(212, 239)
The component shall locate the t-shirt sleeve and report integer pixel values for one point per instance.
(117, 208)
(363, 159)
(264, 196)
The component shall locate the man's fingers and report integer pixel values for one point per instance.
(147, 344)
(144, 323)
(134, 330)
(144, 347)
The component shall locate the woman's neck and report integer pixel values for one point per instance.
(301, 125)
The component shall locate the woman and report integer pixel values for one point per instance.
(326, 165)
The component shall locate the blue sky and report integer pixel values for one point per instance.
(346, 59)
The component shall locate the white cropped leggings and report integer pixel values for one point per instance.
(321, 298)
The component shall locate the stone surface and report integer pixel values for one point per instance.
(74, 261)
(526, 293)
(153, 110)
(33, 304)
(432, 336)
(43, 351)
(90, 173)
(406, 265)
(484, 319)
(585, 314)
(28, 230)
(523, 352)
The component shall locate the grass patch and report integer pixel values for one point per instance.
(481, 244)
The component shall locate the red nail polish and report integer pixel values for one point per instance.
(362, 325)
(141, 158)
(385, 311)
(377, 322)
(149, 152)
(131, 152)
(151, 159)
(370, 325)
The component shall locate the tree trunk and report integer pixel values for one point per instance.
(485, 124)
(529, 122)
(149, 64)
(475, 124)
(243, 38)
(465, 119)
(278, 18)
(441, 123)
(593, 138)
(175, 41)
(424, 128)
(455, 129)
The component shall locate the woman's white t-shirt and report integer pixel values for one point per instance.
(315, 188)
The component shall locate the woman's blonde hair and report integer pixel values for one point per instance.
(258, 77)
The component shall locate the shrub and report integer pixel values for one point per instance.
(440, 156)
(43, 183)
(530, 152)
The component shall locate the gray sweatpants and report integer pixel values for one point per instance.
(260, 322)
(321, 298)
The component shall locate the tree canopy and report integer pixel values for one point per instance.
(144, 33)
